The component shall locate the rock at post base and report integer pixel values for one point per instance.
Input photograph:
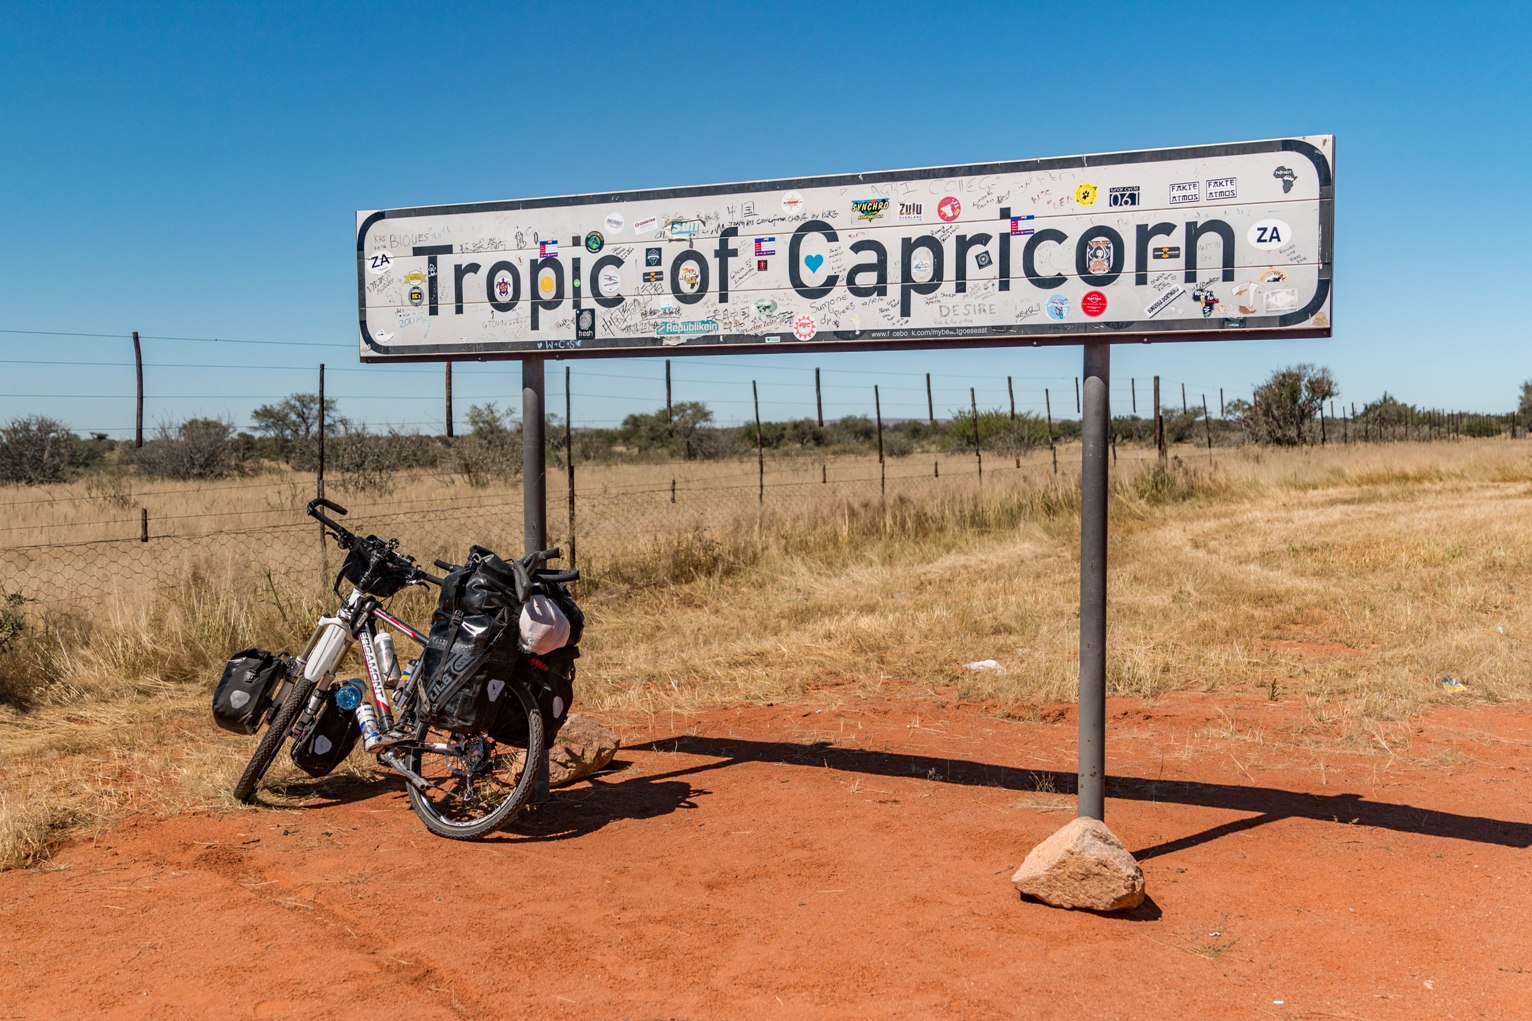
(1083, 865)
(583, 747)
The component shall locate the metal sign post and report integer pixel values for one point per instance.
(1095, 426)
(534, 475)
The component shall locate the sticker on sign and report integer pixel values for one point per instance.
(943, 257)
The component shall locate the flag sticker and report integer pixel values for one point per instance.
(547, 249)
(765, 247)
(1016, 225)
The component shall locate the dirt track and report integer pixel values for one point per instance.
(849, 856)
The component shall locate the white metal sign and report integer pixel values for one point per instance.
(1213, 242)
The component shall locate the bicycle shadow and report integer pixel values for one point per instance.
(572, 812)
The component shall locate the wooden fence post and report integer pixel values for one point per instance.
(138, 364)
(1048, 410)
(877, 403)
(973, 402)
(760, 455)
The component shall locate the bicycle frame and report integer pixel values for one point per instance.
(328, 644)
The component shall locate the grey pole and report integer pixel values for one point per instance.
(534, 480)
(1095, 418)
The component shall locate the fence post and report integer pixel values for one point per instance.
(1133, 393)
(877, 404)
(569, 462)
(143, 524)
(973, 402)
(1159, 422)
(319, 466)
(930, 405)
(819, 400)
(1048, 409)
(1322, 437)
(1221, 414)
(670, 418)
(138, 364)
(449, 400)
(1077, 395)
(760, 456)
(1183, 398)
(1208, 421)
(1011, 389)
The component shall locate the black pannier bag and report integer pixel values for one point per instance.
(328, 740)
(246, 689)
(471, 650)
(550, 679)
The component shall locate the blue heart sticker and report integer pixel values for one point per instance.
(813, 262)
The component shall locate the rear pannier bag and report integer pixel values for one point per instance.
(328, 740)
(465, 665)
(246, 689)
(550, 679)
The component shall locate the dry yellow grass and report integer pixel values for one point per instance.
(1350, 578)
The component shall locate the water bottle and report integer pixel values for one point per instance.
(367, 719)
(388, 662)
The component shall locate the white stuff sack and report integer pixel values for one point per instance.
(543, 626)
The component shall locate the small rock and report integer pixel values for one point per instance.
(583, 747)
(1082, 866)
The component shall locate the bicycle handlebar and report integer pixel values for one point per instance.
(341, 531)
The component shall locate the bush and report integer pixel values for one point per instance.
(36, 451)
(1482, 426)
(492, 451)
(199, 448)
(365, 462)
(998, 432)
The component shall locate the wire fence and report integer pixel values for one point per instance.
(252, 538)
(129, 535)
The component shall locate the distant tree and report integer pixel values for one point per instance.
(688, 433)
(36, 451)
(1525, 407)
(295, 419)
(1283, 408)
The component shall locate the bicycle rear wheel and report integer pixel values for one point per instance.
(271, 741)
(478, 783)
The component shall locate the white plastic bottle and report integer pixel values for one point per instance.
(388, 661)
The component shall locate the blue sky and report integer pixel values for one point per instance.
(193, 171)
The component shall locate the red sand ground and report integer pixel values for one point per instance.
(849, 856)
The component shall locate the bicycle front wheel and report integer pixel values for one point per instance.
(272, 740)
(477, 783)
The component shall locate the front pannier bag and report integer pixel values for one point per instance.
(465, 666)
(328, 741)
(246, 689)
